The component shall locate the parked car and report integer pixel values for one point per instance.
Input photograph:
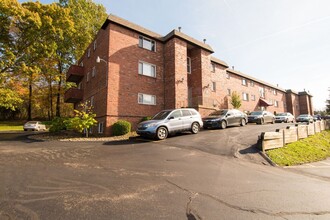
(34, 126)
(284, 117)
(304, 118)
(317, 117)
(171, 121)
(261, 117)
(225, 117)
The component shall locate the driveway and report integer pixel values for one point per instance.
(149, 180)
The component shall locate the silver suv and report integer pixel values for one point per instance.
(171, 121)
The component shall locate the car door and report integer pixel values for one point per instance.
(267, 117)
(175, 121)
(187, 119)
(230, 117)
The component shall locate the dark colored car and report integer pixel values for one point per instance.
(305, 118)
(225, 117)
(317, 117)
(284, 117)
(261, 117)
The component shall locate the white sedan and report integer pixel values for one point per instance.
(34, 126)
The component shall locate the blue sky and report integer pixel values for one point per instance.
(284, 42)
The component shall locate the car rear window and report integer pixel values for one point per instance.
(186, 113)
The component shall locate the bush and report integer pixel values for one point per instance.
(146, 118)
(121, 127)
(58, 124)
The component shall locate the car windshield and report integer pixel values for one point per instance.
(220, 112)
(281, 114)
(256, 113)
(303, 115)
(161, 115)
(31, 122)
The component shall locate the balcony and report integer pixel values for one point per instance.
(73, 95)
(75, 74)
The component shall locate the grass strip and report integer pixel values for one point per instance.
(11, 125)
(311, 149)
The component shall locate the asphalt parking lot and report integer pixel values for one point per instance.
(176, 178)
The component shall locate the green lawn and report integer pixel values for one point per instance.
(11, 125)
(311, 149)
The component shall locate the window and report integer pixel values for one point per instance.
(227, 75)
(146, 99)
(89, 52)
(186, 112)
(245, 96)
(228, 92)
(100, 128)
(79, 86)
(87, 79)
(92, 101)
(91, 130)
(244, 83)
(94, 45)
(81, 64)
(93, 71)
(188, 65)
(253, 97)
(262, 92)
(213, 67)
(251, 83)
(176, 114)
(213, 86)
(147, 43)
(276, 103)
(147, 69)
(274, 92)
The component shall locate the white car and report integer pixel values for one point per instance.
(284, 117)
(34, 126)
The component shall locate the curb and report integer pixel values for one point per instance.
(268, 159)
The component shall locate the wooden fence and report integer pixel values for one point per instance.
(281, 137)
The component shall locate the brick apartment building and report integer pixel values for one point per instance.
(140, 72)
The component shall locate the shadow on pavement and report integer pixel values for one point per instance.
(19, 136)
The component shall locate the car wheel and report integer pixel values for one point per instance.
(195, 128)
(223, 124)
(162, 133)
(243, 122)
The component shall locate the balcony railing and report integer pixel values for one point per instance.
(75, 74)
(73, 95)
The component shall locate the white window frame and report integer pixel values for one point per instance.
(93, 71)
(81, 64)
(262, 92)
(142, 43)
(94, 45)
(274, 92)
(100, 127)
(253, 97)
(87, 77)
(92, 101)
(276, 103)
(88, 52)
(213, 86)
(229, 92)
(213, 67)
(188, 65)
(227, 75)
(244, 82)
(141, 72)
(245, 96)
(142, 101)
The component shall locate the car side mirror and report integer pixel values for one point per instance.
(170, 118)
(228, 115)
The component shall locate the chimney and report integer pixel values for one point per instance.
(204, 40)
(233, 67)
(179, 29)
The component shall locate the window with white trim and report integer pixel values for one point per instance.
(213, 86)
(253, 97)
(146, 99)
(274, 92)
(147, 69)
(87, 77)
(81, 64)
(245, 96)
(229, 92)
(251, 83)
(244, 82)
(92, 101)
(227, 75)
(276, 103)
(91, 130)
(100, 128)
(89, 52)
(188, 65)
(93, 71)
(213, 67)
(262, 92)
(147, 43)
(94, 45)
